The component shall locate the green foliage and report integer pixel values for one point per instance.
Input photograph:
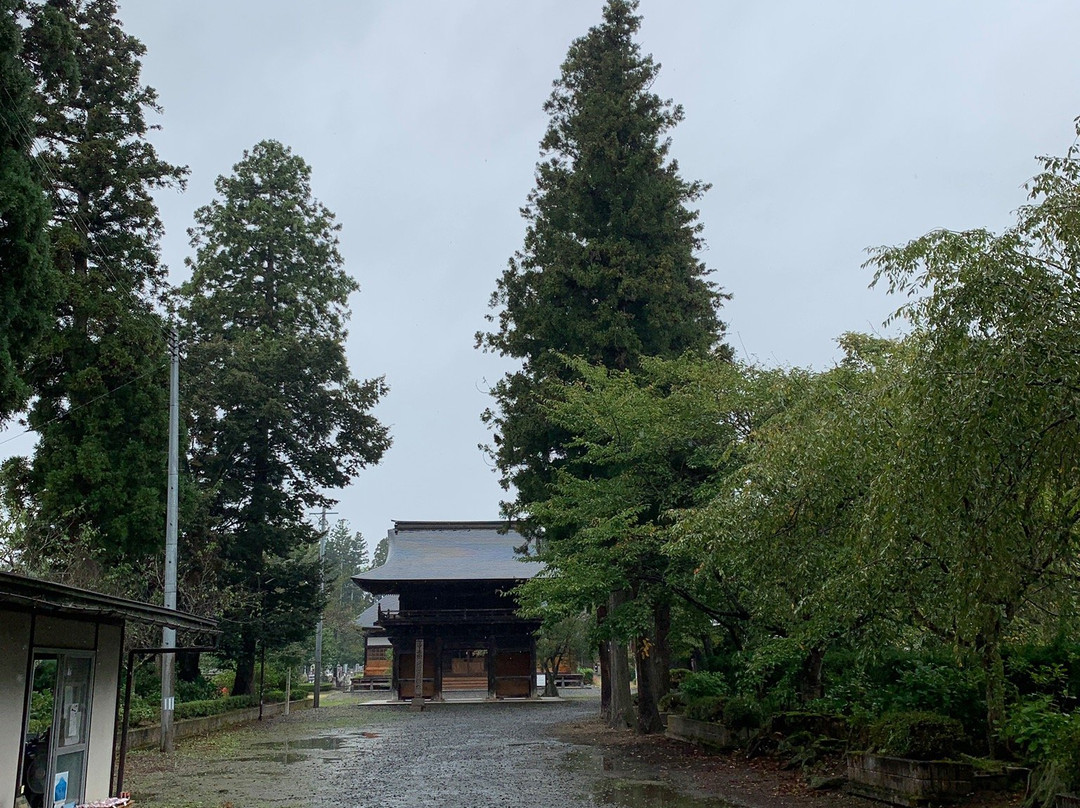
(201, 709)
(705, 708)
(919, 735)
(144, 710)
(700, 684)
(742, 712)
(41, 711)
(1035, 728)
(672, 702)
(100, 403)
(276, 417)
(199, 690)
(28, 284)
(974, 515)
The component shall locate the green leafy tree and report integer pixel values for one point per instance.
(28, 284)
(645, 444)
(99, 380)
(978, 510)
(276, 417)
(777, 537)
(609, 269)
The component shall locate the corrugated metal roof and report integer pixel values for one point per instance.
(460, 551)
(41, 595)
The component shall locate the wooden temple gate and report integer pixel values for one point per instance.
(453, 624)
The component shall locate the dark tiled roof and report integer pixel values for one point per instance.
(367, 618)
(449, 551)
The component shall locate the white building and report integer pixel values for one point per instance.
(61, 652)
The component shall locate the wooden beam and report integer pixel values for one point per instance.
(418, 677)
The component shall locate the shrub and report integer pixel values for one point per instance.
(706, 708)
(200, 709)
(678, 674)
(199, 690)
(699, 684)
(741, 712)
(142, 711)
(1059, 773)
(672, 702)
(586, 675)
(1033, 727)
(919, 735)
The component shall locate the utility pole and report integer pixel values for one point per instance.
(318, 626)
(168, 635)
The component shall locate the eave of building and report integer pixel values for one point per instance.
(37, 595)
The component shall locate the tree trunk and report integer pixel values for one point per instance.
(549, 678)
(244, 683)
(187, 666)
(648, 715)
(662, 653)
(621, 711)
(605, 668)
(811, 686)
(994, 669)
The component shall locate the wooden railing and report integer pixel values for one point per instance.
(447, 615)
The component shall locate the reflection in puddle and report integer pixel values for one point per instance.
(323, 742)
(274, 757)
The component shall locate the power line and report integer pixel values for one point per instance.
(78, 407)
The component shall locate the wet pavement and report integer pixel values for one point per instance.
(452, 755)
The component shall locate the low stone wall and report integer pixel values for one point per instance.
(144, 737)
(908, 782)
(703, 732)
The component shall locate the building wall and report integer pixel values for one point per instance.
(59, 634)
(103, 712)
(15, 645)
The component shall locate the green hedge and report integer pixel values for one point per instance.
(201, 709)
(919, 735)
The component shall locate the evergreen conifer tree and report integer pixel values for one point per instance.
(276, 417)
(609, 270)
(97, 476)
(27, 279)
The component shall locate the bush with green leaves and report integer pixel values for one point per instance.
(672, 702)
(199, 690)
(201, 709)
(742, 712)
(919, 735)
(699, 684)
(706, 708)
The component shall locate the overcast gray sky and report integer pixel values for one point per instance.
(824, 128)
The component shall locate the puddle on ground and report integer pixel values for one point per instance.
(274, 757)
(322, 742)
(292, 751)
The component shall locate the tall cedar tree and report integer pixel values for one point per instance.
(609, 270)
(27, 279)
(276, 416)
(98, 470)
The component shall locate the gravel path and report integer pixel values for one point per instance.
(350, 755)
